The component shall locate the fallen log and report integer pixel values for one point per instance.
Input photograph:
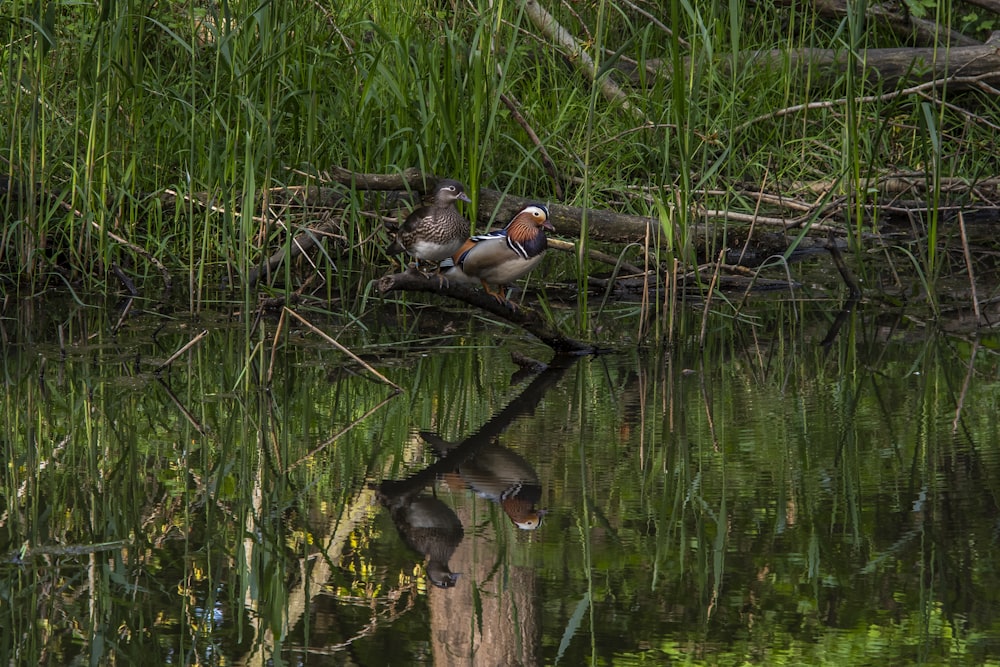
(954, 68)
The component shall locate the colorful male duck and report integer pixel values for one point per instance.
(500, 475)
(502, 256)
(436, 231)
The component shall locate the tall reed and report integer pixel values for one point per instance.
(149, 132)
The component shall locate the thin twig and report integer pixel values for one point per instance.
(336, 436)
(191, 343)
(754, 217)
(124, 314)
(978, 81)
(139, 250)
(643, 323)
(513, 106)
(343, 349)
(961, 111)
(274, 346)
(550, 27)
(965, 386)
(708, 299)
(653, 20)
(968, 264)
(597, 256)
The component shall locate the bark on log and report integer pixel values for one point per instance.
(783, 212)
(408, 179)
(893, 67)
(888, 67)
(992, 5)
(903, 23)
(602, 225)
(497, 208)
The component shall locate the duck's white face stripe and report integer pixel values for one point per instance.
(534, 211)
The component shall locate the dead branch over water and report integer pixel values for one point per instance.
(526, 318)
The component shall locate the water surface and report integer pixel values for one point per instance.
(758, 499)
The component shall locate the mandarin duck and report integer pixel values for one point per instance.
(502, 256)
(436, 231)
(500, 475)
(430, 527)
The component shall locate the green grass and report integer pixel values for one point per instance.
(141, 127)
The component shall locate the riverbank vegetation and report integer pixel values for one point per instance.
(209, 482)
(186, 145)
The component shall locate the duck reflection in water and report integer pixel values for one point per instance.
(500, 475)
(430, 527)
(492, 471)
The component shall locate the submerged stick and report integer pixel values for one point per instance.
(526, 318)
(853, 286)
(343, 349)
(195, 424)
(300, 243)
(137, 249)
(173, 357)
(970, 369)
(336, 436)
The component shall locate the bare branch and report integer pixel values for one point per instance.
(512, 105)
(549, 26)
(526, 318)
(979, 80)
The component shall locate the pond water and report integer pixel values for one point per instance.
(265, 498)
